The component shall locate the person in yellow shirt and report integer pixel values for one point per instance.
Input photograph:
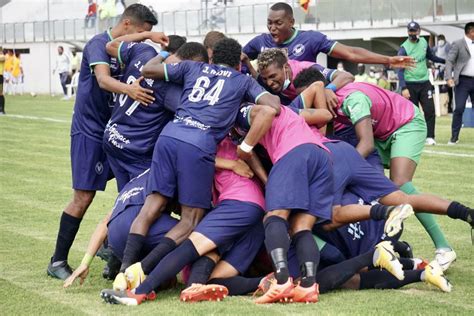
(17, 72)
(2, 67)
(7, 71)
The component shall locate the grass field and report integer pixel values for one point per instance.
(35, 186)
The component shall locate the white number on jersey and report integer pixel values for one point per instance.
(123, 98)
(200, 87)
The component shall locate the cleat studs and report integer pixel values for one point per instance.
(218, 299)
(213, 289)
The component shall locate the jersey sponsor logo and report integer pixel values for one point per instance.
(115, 137)
(99, 167)
(298, 50)
(131, 44)
(125, 196)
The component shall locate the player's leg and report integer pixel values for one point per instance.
(461, 93)
(427, 103)
(2, 97)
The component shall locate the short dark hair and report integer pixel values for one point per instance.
(271, 56)
(227, 51)
(139, 14)
(468, 27)
(283, 6)
(212, 38)
(307, 77)
(193, 51)
(175, 42)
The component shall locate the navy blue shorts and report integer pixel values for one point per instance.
(302, 180)
(228, 221)
(182, 167)
(119, 228)
(90, 168)
(244, 250)
(351, 171)
(125, 171)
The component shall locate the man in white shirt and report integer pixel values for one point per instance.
(62, 68)
(459, 73)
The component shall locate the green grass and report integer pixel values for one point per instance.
(35, 186)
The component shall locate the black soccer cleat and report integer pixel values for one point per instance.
(112, 268)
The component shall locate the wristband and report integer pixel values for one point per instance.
(332, 87)
(245, 147)
(164, 54)
(87, 259)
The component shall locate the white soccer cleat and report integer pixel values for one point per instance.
(433, 274)
(430, 142)
(395, 219)
(445, 257)
(384, 257)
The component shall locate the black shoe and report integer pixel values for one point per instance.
(104, 253)
(62, 271)
(112, 268)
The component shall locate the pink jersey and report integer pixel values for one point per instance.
(288, 131)
(389, 110)
(231, 186)
(296, 67)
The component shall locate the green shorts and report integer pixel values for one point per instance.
(407, 141)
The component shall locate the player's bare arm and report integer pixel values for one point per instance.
(134, 91)
(237, 166)
(256, 165)
(365, 135)
(362, 55)
(270, 100)
(154, 69)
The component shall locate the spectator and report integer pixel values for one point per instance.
(63, 62)
(2, 66)
(17, 73)
(371, 78)
(75, 62)
(415, 82)
(441, 49)
(460, 60)
(382, 80)
(7, 72)
(91, 14)
(361, 75)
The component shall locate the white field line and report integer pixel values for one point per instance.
(39, 118)
(445, 153)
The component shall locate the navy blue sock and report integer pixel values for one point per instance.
(2, 104)
(402, 248)
(277, 242)
(169, 266)
(330, 255)
(307, 253)
(238, 285)
(165, 246)
(381, 279)
(68, 227)
(407, 263)
(336, 275)
(378, 212)
(458, 211)
(131, 254)
(201, 271)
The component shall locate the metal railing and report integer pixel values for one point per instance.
(323, 15)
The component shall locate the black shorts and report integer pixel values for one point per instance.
(1, 79)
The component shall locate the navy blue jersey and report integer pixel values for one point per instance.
(132, 130)
(211, 98)
(133, 193)
(93, 105)
(303, 45)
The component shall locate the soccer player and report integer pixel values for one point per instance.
(210, 40)
(378, 115)
(239, 208)
(90, 169)
(306, 45)
(116, 224)
(277, 73)
(184, 154)
(2, 67)
(132, 131)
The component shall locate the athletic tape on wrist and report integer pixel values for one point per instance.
(87, 259)
(245, 147)
(332, 87)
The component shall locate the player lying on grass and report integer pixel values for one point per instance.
(239, 207)
(132, 131)
(352, 171)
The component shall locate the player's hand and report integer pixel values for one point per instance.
(244, 58)
(140, 94)
(81, 272)
(331, 101)
(242, 154)
(242, 169)
(402, 62)
(450, 83)
(406, 93)
(159, 38)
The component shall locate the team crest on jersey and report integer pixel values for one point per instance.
(298, 50)
(99, 168)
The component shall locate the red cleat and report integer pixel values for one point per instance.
(278, 293)
(306, 294)
(265, 284)
(204, 292)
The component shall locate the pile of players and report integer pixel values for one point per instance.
(272, 184)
